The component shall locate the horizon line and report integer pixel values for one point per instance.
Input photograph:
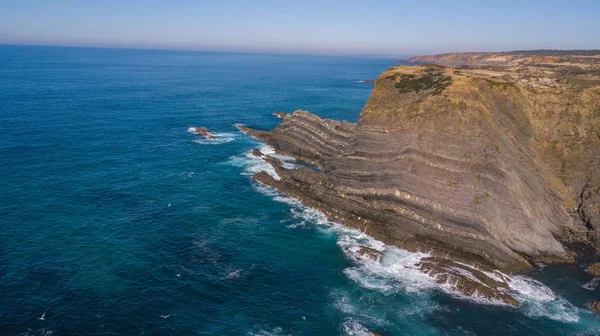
(273, 52)
(216, 50)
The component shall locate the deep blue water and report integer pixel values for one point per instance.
(116, 221)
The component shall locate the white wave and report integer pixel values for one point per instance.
(540, 301)
(394, 273)
(352, 328)
(288, 161)
(343, 302)
(304, 216)
(559, 310)
(39, 332)
(233, 275)
(219, 138)
(592, 284)
(530, 289)
(275, 332)
(253, 164)
(192, 130)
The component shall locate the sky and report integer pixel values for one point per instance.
(376, 27)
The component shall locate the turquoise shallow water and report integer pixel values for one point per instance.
(114, 220)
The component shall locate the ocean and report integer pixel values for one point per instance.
(115, 220)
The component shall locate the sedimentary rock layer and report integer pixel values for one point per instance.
(485, 167)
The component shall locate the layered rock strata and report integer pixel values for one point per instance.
(485, 167)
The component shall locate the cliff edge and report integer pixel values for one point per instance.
(487, 166)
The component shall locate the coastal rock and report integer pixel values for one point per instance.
(280, 115)
(488, 168)
(594, 269)
(257, 153)
(201, 131)
(467, 280)
(595, 306)
(273, 161)
(370, 253)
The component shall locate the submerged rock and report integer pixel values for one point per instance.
(201, 131)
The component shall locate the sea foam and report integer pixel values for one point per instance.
(253, 164)
(262, 332)
(352, 328)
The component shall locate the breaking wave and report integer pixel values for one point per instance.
(540, 301)
(352, 328)
(253, 164)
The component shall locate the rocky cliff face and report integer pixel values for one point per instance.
(560, 89)
(485, 167)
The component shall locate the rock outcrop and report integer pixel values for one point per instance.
(370, 253)
(488, 167)
(280, 115)
(469, 281)
(594, 269)
(201, 131)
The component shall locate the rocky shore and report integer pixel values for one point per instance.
(484, 169)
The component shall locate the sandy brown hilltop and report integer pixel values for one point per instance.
(491, 162)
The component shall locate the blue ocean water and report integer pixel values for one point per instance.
(114, 220)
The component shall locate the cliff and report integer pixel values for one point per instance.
(489, 167)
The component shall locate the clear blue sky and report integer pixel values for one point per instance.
(329, 27)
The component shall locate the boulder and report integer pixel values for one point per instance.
(594, 269)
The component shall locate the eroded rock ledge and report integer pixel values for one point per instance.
(485, 167)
